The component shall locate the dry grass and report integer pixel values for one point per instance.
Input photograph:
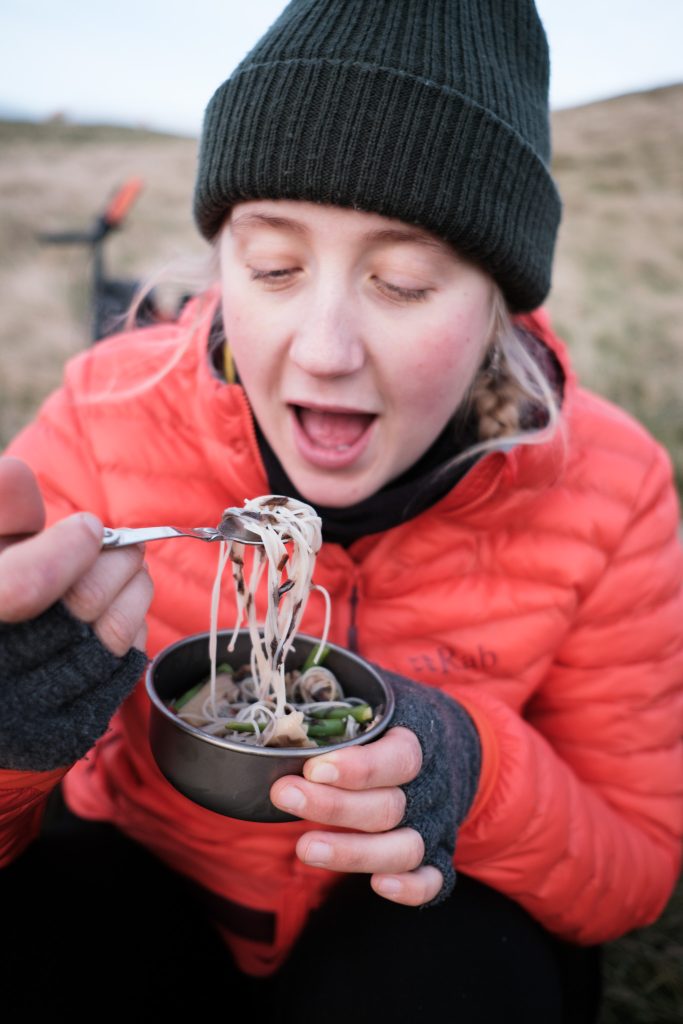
(618, 295)
(617, 300)
(644, 972)
(55, 177)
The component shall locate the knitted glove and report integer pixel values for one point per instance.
(59, 687)
(438, 800)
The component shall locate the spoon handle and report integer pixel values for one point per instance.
(124, 536)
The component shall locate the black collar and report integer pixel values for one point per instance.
(403, 498)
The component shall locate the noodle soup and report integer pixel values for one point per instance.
(316, 711)
(225, 775)
(222, 737)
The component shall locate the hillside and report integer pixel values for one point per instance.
(618, 292)
(617, 297)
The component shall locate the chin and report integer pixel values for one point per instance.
(332, 493)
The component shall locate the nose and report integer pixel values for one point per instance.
(327, 341)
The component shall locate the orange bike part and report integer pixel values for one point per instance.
(122, 201)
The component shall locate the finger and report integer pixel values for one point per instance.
(392, 760)
(35, 573)
(141, 639)
(21, 504)
(120, 624)
(375, 810)
(93, 593)
(412, 888)
(387, 852)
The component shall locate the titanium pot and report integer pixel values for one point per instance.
(233, 778)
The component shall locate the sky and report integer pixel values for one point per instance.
(157, 62)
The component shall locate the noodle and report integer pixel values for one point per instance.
(268, 707)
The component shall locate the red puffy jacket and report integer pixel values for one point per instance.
(544, 592)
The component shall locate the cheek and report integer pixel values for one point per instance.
(441, 374)
(249, 361)
(256, 335)
(243, 333)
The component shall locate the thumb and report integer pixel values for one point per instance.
(21, 505)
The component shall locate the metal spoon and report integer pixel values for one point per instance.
(231, 527)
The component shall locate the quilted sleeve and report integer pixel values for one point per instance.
(583, 820)
(54, 447)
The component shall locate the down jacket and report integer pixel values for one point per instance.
(543, 592)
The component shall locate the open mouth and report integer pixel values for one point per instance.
(331, 437)
(333, 430)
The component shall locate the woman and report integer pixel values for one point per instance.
(502, 543)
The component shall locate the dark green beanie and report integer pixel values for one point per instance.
(431, 111)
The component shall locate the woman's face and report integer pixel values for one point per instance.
(355, 337)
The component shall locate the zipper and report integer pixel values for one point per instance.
(352, 635)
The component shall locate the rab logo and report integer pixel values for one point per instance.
(446, 660)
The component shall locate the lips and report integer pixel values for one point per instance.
(330, 437)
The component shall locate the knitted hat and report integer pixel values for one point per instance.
(431, 111)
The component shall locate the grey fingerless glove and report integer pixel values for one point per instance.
(438, 800)
(59, 688)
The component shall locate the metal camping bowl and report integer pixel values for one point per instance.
(233, 778)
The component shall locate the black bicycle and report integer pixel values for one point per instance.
(111, 296)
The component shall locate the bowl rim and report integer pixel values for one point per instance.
(243, 748)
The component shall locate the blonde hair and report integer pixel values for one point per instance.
(510, 389)
(193, 274)
(159, 356)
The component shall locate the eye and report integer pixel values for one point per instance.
(402, 294)
(272, 277)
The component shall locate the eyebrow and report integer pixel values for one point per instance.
(378, 235)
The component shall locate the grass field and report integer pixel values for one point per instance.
(617, 300)
(644, 972)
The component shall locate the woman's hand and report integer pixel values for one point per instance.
(71, 623)
(357, 787)
(110, 591)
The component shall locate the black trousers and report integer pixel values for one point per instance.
(85, 910)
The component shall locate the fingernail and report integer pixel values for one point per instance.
(389, 887)
(291, 798)
(92, 523)
(324, 772)
(318, 853)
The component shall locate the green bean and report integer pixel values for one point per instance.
(318, 713)
(327, 727)
(361, 712)
(310, 660)
(243, 726)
